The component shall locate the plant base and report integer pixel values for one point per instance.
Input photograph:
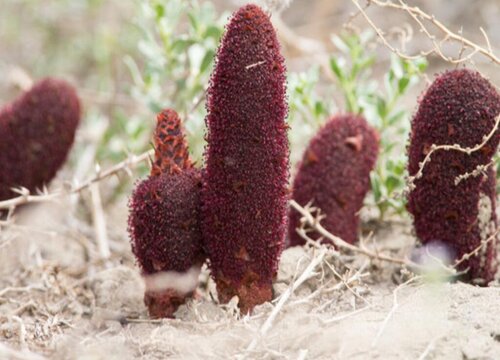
(250, 291)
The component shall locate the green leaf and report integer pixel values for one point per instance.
(181, 44)
(397, 66)
(193, 20)
(375, 182)
(213, 32)
(340, 44)
(336, 68)
(396, 118)
(392, 182)
(403, 84)
(159, 10)
(381, 107)
(319, 108)
(207, 60)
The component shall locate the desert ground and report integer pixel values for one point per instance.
(60, 298)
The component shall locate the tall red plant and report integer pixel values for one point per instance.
(244, 191)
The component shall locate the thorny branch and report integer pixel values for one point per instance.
(419, 16)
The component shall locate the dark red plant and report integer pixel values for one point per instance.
(460, 107)
(244, 191)
(335, 176)
(171, 149)
(164, 223)
(36, 133)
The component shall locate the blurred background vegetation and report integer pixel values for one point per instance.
(129, 59)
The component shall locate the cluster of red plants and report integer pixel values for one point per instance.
(236, 215)
(234, 211)
(242, 207)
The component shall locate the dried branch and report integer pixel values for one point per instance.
(454, 147)
(21, 289)
(394, 307)
(8, 353)
(314, 223)
(474, 252)
(126, 165)
(419, 17)
(427, 350)
(344, 316)
(99, 221)
(286, 295)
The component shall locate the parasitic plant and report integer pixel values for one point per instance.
(244, 192)
(164, 222)
(334, 176)
(171, 149)
(36, 133)
(460, 107)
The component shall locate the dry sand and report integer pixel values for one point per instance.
(59, 301)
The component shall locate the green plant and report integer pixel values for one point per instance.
(308, 109)
(177, 52)
(381, 107)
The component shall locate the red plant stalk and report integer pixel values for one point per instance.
(244, 191)
(334, 176)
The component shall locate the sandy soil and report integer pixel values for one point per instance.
(59, 301)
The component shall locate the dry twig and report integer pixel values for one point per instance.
(454, 147)
(314, 223)
(395, 306)
(286, 295)
(125, 165)
(99, 222)
(419, 16)
(8, 353)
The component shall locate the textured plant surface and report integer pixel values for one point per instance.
(335, 176)
(36, 134)
(164, 223)
(171, 150)
(460, 107)
(244, 187)
(381, 106)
